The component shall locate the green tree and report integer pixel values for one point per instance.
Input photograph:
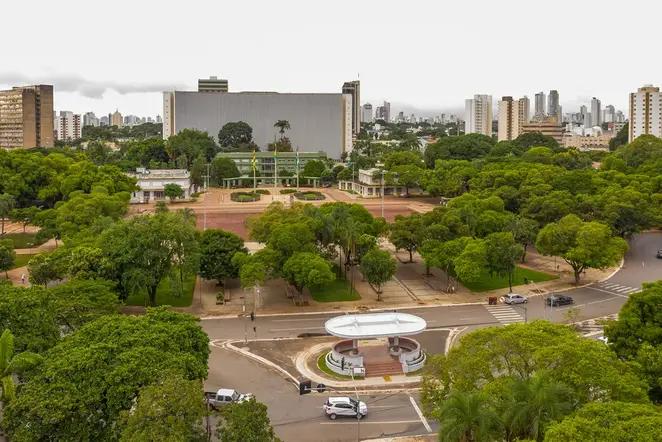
(191, 143)
(471, 263)
(378, 267)
(85, 382)
(466, 417)
(408, 233)
(7, 258)
(531, 139)
(307, 270)
(217, 248)
(145, 249)
(222, 168)
(235, 134)
(524, 231)
(24, 215)
(245, 422)
(7, 203)
(403, 158)
(621, 137)
(486, 358)
(7, 386)
(171, 410)
(637, 335)
(407, 175)
(314, 168)
(581, 244)
(502, 252)
(609, 421)
(79, 301)
(282, 126)
(173, 191)
(198, 171)
(43, 269)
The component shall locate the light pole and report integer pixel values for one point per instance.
(382, 182)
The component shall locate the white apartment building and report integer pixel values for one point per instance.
(366, 113)
(478, 115)
(67, 126)
(645, 112)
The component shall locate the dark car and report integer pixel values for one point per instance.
(556, 300)
(659, 254)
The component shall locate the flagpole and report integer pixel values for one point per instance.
(254, 178)
(275, 165)
(297, 168)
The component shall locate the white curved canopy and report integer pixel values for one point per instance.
(375, 325)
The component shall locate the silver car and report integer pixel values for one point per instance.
(514, 298)
(344, 406)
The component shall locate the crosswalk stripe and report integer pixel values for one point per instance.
(624, 289)
(505, 314)
(632, 289)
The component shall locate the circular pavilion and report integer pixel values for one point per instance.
(392, 353)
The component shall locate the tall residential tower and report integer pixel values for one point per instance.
(478, 115)
(645, 112)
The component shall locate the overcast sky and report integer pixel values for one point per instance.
(428, 55)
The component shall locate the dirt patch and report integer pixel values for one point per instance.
(284, 352)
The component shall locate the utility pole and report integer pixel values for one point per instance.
(382, 180)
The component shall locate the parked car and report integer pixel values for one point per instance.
(514, 298)
(225, 396)
(344, 406)
(556, 300)
(659, 254)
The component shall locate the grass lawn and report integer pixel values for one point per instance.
(165, 295)
(336, 291)
(488, 282)
(23, 240)
(21, 260)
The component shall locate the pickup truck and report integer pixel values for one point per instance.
(225, 396)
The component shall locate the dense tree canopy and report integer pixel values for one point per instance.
(88, 379)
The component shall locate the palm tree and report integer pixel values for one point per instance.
(535, 403)
(7, 386)
(282, 126)
(466, 417)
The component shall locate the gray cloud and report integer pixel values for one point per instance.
(86, 88)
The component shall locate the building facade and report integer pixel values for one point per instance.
(116, 119)
(151, 184)
(319, 122)
(353, 89)
(547, 126)
(596, 112)
(645, 112)
(366, 113)
(383, 112)
(68, 126)
(478, 115)
(369, 185)
(509, 119)
(553, 105)
(524, 108)
(266, 163)
(89, 119)
(539, 105)
(26, 117)
(212, 84)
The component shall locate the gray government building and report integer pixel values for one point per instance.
(319, 122)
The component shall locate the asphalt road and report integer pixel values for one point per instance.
(300, 418)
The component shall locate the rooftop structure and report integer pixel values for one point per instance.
(375, 325)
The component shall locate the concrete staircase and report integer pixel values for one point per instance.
(383, 368)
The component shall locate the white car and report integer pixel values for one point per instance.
(225, 396)
(514, 298)
(344, 406)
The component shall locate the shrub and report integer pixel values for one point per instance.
(263, 192)
(309, 195)
(244, 197)
(287, 191)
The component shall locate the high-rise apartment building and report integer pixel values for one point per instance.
(509, 119)
(366, 113)
(212, 84)
(596, 112)
(89, 119)
(609, 114)
(67, 126)
(478, 115)
(645, 112)
(553, 106)
(540, 105)
(26, 117)
(353, 88)
(524, 108)
(384, 112)
(116, 119)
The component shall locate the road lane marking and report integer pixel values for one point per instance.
(607, 292)
(352, 421)
(420, 415)
(296, 329)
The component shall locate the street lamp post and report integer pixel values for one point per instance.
(382, 182)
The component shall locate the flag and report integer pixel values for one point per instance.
(254, 162)
(297, 161)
